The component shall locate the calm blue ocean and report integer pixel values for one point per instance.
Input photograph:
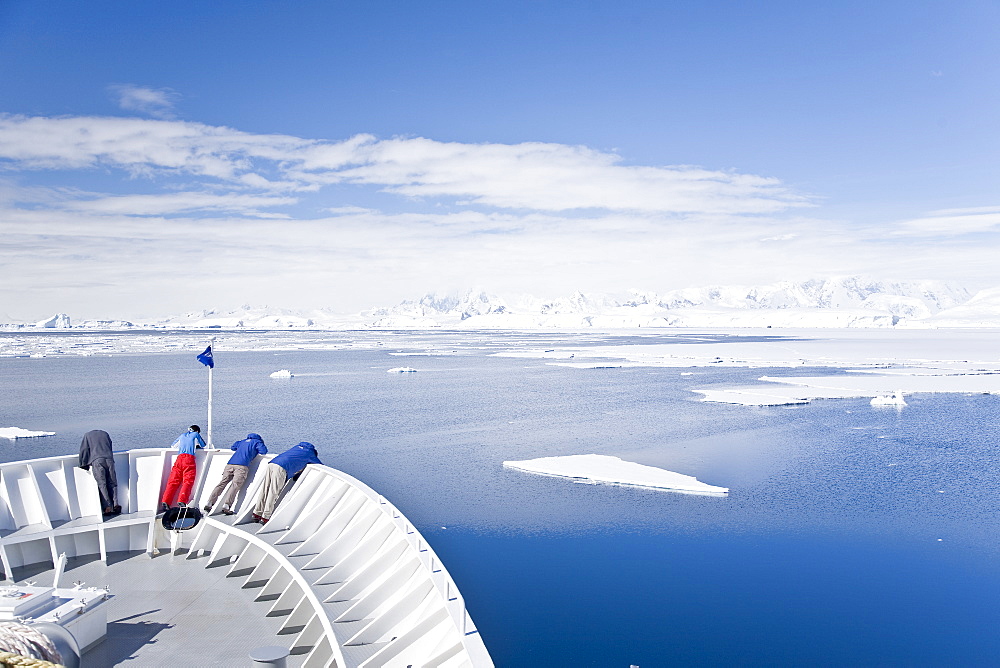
(852, 536)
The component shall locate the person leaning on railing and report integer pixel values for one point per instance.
(289, 464)
(182, 473)
(235, 473)
(97, 457)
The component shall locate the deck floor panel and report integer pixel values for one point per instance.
(170, 610)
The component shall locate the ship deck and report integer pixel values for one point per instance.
(170, 610)
(338, 576)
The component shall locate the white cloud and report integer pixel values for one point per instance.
(110, 265)
(545, 177)
(182, 202)
(538, 176)
(524, 218)
(156, 102)
(964, 211)
(345, 210)
(952, 223)
(138, 146)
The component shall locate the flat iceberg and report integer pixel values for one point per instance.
(609, 470)
(751, 396)
(283, 373)
(16, 432)
(402, 369)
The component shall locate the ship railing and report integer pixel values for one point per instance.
(49, 507)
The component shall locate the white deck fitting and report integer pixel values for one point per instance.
(354, 583)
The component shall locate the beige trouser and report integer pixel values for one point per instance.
(235, 474)
(274, 481)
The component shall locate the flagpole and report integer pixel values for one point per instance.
(211, 444)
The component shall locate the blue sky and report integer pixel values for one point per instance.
(156, 158)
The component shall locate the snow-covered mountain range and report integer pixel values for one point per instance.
(836, 302)
(852, 301)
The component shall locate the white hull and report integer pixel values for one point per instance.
(355, 583)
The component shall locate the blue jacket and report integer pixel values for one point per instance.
(247, 450)
(188, 441)
(295, 458)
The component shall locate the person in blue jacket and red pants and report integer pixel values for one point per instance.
(183, 472)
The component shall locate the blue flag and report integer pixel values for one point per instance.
(206, 358)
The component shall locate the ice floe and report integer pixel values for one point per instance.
(781, 390)
(283, 373)
(894, 399)
(877, 362)
(588, 365)
(17, 432)
(606, 469)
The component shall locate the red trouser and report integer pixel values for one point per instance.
(181, 475)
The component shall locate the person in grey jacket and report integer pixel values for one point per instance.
(97, 457)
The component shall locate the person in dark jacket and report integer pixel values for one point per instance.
(289, 464)
(235, 473)
(97, 457)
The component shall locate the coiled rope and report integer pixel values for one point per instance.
(22, 645)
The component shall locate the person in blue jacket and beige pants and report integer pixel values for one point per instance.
(235, 473)
(289, 464)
